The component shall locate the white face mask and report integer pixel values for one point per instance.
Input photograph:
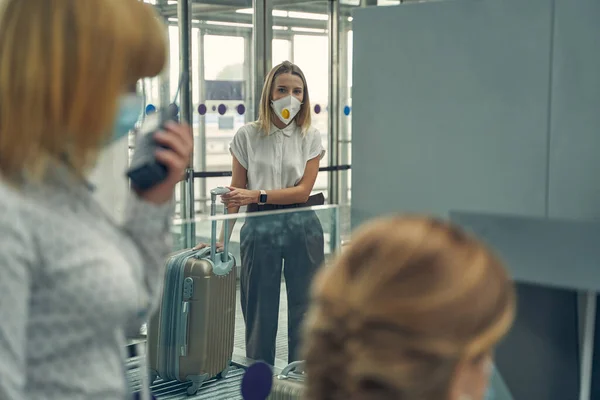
(286, 108)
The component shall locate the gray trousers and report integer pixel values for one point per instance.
(265, 242)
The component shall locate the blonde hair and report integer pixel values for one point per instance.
(400, 308)
(63, 66)
(266, 113)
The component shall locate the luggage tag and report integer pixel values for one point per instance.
(145, 171)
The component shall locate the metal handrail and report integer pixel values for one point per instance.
(219, 174)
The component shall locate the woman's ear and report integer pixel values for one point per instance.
(471, 378)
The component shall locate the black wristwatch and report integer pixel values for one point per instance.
(262, 199)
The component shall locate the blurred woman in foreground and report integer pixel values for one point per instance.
(73, 283)
(411, 310)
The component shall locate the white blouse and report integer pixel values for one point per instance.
(278, 160)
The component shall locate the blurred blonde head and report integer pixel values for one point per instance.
(407, 307)
(63, 66)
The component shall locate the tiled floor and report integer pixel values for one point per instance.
(222, 389)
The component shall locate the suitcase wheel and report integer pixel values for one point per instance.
(223, 374)
(152, 377)
(138, 396)
(192, 390)
(197, 381)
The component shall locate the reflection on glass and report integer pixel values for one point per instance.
(225, 103)
(221, 68)
(278, 245)
(301, 235)
(282, 51)
(303, 25)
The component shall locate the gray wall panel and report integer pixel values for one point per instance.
(575, 135)
(450, 107)
(554, 253)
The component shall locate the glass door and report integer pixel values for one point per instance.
(300, 35)
(221, 43)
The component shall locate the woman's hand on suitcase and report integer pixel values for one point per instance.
(177, 145)
(200, 246)
(240, 197)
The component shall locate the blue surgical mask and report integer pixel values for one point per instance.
(128, 114)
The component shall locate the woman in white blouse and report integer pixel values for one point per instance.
(275, 165)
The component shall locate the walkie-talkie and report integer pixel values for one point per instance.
(145, 171)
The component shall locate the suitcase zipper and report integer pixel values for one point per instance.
(164, 334)
(176, 332)
(188, 292)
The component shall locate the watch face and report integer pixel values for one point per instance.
(263, 198)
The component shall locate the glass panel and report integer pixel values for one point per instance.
(224, 102)
(303, 26)
(282, 51)
(312, 55)
(283, 249)
(345, 71)
(152, 88)
(226, 105)
(221, 85)
(225, 95)
(273, 248)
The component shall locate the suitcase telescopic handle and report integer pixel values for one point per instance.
(225, 254)
(218, 191)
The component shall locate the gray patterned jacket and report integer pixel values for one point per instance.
(73, 285)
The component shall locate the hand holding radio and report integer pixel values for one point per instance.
(172, 151)
(162, 153)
